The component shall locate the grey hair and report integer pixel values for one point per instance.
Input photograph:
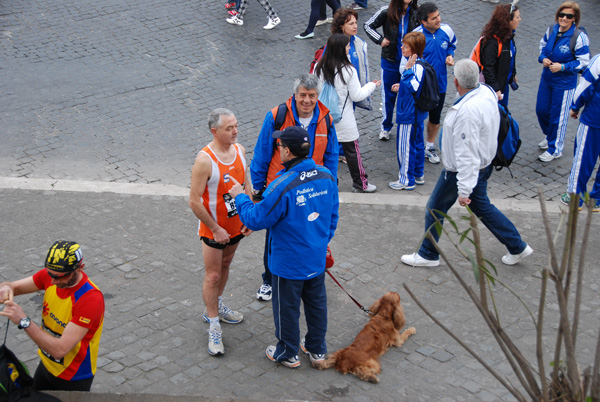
(307, 81)
(214, 117)
(466, 72)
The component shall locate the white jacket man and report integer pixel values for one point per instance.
(469, 145)
(470, 136)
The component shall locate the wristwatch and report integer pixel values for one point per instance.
(24, 323)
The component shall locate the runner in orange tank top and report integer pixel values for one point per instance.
(220, 227)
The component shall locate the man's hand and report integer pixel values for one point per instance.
(245, 231)
(450, 60)
(13, 311)
(237, 188)
(6, 293)
(574, 113)
(464, 201)
(220, 235)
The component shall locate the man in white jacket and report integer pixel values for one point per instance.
(469, 145)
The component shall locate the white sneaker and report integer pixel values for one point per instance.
(273, 22)
(265, 292)
(292, 362)
(415, 260)
(548, 157)
(305, 36)
(370, 189)
(235, 20)
(384, 135)
(431, 155)
(215, 343)
(314, 357)
(512, 259)
(420, 180)
(396, 185)
(323, 22)
(543, 144)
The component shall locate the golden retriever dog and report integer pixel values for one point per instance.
(382, 331)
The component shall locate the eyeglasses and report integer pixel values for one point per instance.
(53, 276)
(280, 144)
(567, 16)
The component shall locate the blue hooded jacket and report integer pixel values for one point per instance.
(301, 209)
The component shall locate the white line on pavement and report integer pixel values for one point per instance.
(402, 199)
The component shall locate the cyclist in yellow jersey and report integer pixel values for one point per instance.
(72, 318)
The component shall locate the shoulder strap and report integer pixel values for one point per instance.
(573, 41)
(280, 116)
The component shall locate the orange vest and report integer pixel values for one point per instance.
(216, 198)
(318, 147)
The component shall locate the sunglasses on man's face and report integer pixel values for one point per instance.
(567, 16)
(54, 276)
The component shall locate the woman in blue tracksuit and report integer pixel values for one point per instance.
(398, 18)
(410, 146)
(562, 62)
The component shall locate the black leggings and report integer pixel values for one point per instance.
(44, 380)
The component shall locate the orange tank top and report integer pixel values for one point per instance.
(216, 198)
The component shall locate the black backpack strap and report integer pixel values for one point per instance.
(280, 116)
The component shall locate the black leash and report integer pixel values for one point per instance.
(367, 312)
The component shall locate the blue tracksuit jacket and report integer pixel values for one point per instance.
(300, 208)
(411, 82)
(559, 51)
(439, 45)
(588, 94)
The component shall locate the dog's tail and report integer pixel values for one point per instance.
(329, 362)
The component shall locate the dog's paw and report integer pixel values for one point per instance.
(411, 331)
(374, 379)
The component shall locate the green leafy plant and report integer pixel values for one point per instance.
(565, 382)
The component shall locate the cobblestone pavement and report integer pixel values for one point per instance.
(142, 251)
(120, 91)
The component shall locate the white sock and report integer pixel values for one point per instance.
(429, 145)
(214, 324)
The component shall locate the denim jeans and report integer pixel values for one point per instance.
(445, 194)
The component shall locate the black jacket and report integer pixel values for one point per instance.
(496, 69)
(390, 31)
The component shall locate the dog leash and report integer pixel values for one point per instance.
(366, 311)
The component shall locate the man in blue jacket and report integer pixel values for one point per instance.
(587, 141)
(300, 207)
(439, 52)
(302, 109)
